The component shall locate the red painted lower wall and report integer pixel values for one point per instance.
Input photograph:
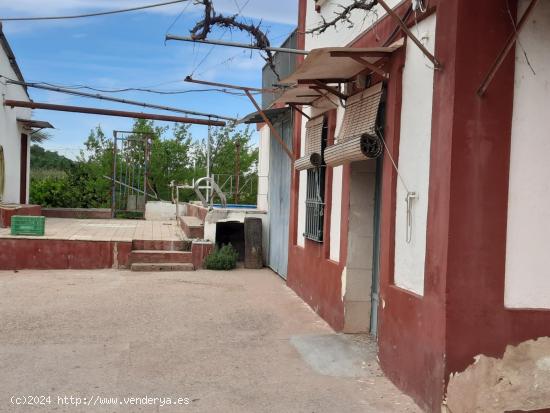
(317, 281)
(20, 254)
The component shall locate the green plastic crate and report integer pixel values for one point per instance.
(27, 225)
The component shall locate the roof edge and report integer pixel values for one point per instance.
(11, 58)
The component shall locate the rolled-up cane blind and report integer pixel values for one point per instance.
(358, 138)
(314, 145)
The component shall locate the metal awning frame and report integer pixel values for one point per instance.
(510, 42)
(247, 91)
(37, 125)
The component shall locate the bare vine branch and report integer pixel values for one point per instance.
(204, 27)
(343, 15)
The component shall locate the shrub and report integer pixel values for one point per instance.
(224, 258)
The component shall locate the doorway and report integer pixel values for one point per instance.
(361, 285)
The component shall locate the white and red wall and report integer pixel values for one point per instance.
(474, 276)
(12, 136)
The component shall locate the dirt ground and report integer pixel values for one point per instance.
(205, 341)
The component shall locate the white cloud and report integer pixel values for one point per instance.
(281, 11)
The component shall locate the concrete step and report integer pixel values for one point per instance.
(157, 267)
(183, 245)
(160, 256)
(192, 227)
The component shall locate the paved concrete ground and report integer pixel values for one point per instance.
(230, 342)
(106, 230)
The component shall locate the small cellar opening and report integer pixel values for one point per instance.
(233, 233)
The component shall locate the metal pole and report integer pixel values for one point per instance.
(237, 171)
(113, 187)
(234, 44)
(108, 112)
(113, 99)
(208, 154)
(146, 169)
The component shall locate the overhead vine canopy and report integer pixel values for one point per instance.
(211, 19)
(343, 15)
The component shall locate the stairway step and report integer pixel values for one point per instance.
(157, 267)
(182, 245)
(160, 256)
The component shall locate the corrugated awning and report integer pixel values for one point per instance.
(338, 64)
(35, 124)
(301, 95)
(272, 115)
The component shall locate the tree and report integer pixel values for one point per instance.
(224, 142)
(43, 159)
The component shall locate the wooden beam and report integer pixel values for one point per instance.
(371, 66)
(364, 53)
(320, 85)
(107, 112)
(271, 127)
(505, 50)
(295, 107)
(409, 34)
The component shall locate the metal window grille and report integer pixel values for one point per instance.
(315, 196)
(315, 204)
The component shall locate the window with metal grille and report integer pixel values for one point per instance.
(315, 197)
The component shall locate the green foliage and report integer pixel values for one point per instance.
(43, 159)
(51, 191)
(224, 142)
(57, 181)
(224, 258)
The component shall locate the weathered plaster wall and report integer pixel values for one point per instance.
(519, 381)
(527, 245)
(10, 132)
(414, 160)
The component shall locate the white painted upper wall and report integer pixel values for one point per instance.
(10, 132)
(343, 34)
(414, 160)
(528, 244)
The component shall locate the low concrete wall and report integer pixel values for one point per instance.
(9, 210)
(77, 213)
(197, 211)
(162, 211)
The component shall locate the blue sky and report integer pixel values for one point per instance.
(128, 50)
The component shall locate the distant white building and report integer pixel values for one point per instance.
(15, 127)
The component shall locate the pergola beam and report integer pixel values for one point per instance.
(270, 125)
(108, 112)
(235, 44)
(247, 91)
